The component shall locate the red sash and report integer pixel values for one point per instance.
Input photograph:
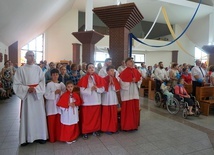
(33, 85)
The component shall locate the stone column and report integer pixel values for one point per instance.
(175, 56)
(120, 19)
(88, 40)
(118, 44)
(76, 53)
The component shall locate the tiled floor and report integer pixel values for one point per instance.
(159, 134)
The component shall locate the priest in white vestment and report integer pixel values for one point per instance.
(29, 86)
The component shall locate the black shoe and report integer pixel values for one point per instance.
(24, 144)
(96, 133)
(85, 136)
(40, 141)
(109, 133)
(117, 132)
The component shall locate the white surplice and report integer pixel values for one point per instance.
(52, 98)
(91, 97)
(109, 97)
(70, 116)
(33, 123)
(129, 90)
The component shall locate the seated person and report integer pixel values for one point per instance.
(181, 92)
(165, 87)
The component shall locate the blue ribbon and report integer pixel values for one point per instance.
(157, 46)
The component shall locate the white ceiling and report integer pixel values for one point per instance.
(22, 20)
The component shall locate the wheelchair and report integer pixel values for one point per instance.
(184, 106)
(160, 99)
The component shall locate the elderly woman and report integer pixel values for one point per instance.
(181, 92)
(7, 75)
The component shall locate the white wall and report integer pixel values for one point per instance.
(3, 50)
(153, 57)
(198, 31)
(188, 45)
(58, 38)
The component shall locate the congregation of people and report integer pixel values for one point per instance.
(62, 101)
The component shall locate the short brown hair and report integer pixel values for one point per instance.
(127, 59)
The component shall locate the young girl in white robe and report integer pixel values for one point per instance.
(68, 104)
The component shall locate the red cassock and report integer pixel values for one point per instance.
(130, 108)
(69, 132)
(90, 115)
(53, 122)
(109, 122)
(130, 115)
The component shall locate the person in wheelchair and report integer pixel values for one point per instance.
(165, 87)
(182, 93)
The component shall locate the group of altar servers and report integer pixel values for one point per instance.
(69, 114)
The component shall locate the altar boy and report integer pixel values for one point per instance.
(53, 92)
(91, 86)
(109, 123)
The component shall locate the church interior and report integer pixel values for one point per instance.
(90, 31)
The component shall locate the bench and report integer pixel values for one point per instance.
(151, 93)
(144, 88)
(205, 96)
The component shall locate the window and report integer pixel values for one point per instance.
(201, 55)
(138, 58)
(37, 46)
(101, 54)
(100, 57)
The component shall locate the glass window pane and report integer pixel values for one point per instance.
(35, 45)
(25, 47)
(38, 57)
(23, 52)
(32, 45)
(199, 54)
(39, 43)
(138, 57)
(101, 56)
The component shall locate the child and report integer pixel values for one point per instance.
(165, 87)
(109, 102)
(91, 86)
(129, 79)
(53, 92)
(68, 104)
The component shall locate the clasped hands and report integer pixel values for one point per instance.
(31, 90)
(58, 91)
(71, 104)
(94, 88)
